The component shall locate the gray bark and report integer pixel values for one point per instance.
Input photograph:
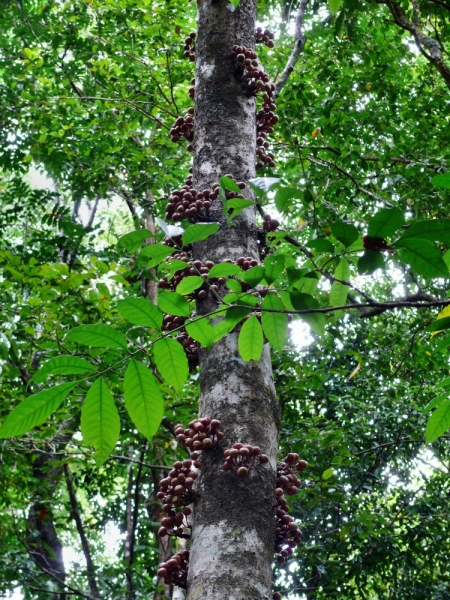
(233, 535)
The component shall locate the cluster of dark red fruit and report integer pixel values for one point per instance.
(287, 533)
(174, 571)
(242, 458)
(188, 203)
(249, 71)
(189, 46)
(264, 37)
(270, 224)
(183, 127)
(200, 434)
(176, 491)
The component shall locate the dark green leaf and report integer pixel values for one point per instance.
(284, 195)
(275, 325)
(34, 410)
(251, 340)
(98, 336)
(235, 315)
(442, 180)
(174, 304)
(171, 362)
(345, 233)
(274, 266)
(439, 325)
(339, 291)
(386, 222)
(434, 230)
(321, 245)
(254, 275)
(143, 399)
(423, 257)
(100, 422)
(140, 311)
(369, 262)
(438, 423)
(198, 232)
(153, 254)
(133, 240)
(305, 302)
(189, 284)
(63, 365)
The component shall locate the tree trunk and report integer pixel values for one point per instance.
(232, 543)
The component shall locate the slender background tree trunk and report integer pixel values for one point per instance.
(233, 534)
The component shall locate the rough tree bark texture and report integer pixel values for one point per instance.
(233, 534)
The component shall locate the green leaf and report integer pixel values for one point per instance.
(133, 240)
(423, 257)
(444, 383)
(345, 233)
(386, 222)
(198, 232)
(153, 254)
(438, 423)
(143, 399)
(189, 284)
(100, 422)
(443, 344)
(433, 230)
(439, 325)
(224, 270)
(174, 304)
(235, 315)
(334, 6)
(435, 402)
(140, 311)
(251, 340)
(304, 302)
(234, 285)
(328, 473)
(63, 365)
(308, 284)
(339, 291)
(321, 245)
(254, 275)
(98, 336)
(34, 410)
(284, 195)
(171, 361)
(442, 181)
(202, 331)
(275, 325)
(370, 261)
(229, 184)
(274, 266)
(237, 205)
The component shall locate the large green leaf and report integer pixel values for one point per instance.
(202, 331)
(100, 422)
(344, 232)
(438, 423)
(143, 399)
(153, 254)
(171, 361)
(334, 6)
(423, 257)
(434, 230)
(224, 270)
(251, 340)
(442, 181)
(339, 291)
(256, 274)
(99, 336)
(305, 302)
(229, 184)
(140, 311)
(237, 205)
(63, 365)
(284, 195)
(274, 266)
(386, 222)
(34, 410)
(275, 325)
(235, 315)
(370, 261)
(133, 240)
(174, 304)
(198, 232)
(189, 284)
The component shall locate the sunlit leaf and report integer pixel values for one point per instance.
(251, 340)
(438, 423)
(275, 324)
(174, 304)
(98, 336)
(140, 311)
(63, 365)
(171, 362)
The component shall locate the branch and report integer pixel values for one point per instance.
(299, 45)
(80, 528)
(423, 42)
